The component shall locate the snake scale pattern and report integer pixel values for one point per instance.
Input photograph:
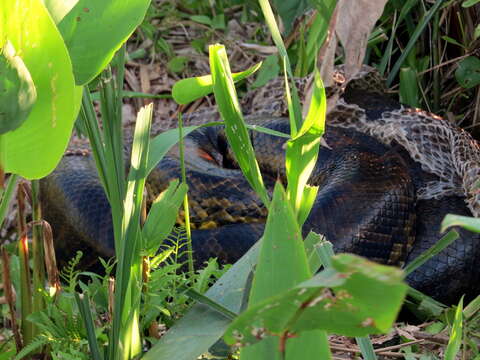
(388, 178)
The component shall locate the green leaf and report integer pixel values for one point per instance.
(202, 19)
(302, 150)
(162, 215)
(476, 33)
(235, 129)
(34, 149)
(94, 30)
(125, 335)
(441, 244)
(177, 64)
(191, 89)
(467, 222)
(409, 87)
(282, 264)
(469, 3)
(350, 308)
(468, 72)
(17, 90)
(317, 33)
(289, 10)
(268, 71)
(456, 335)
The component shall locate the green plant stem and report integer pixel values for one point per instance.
(38, 274)
(7, 196)
(185, 201)
(25, 281)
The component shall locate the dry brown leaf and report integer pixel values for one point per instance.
(355, 21)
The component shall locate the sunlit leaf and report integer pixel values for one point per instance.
(34, 149)
(17, 90)
(191, 89)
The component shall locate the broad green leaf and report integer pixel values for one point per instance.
(456, 334)
(282, 264)
(17, 90)
(94, 30)
(343, 300)
(34, 149)
(58, 9)
(467, 222)
(125, 340)
(468, 72)
(162, 215)
(202, 326)
(235, 129)
(191, 89)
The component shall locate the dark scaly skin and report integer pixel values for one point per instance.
(366, 205)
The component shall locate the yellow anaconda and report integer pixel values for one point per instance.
(386, 181)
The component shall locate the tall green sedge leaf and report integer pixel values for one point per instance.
(125, 335)
(235, 129)
(441, 244)
(302, 151)
(456, 334)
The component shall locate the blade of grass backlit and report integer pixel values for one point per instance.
(456, 335)
(467, 222)
(235, 129)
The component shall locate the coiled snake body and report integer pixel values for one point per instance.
(389, 177)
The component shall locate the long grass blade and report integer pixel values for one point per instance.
(83, 304)
(441, 244)
(456, 334)
(413, 39)
(235, 129)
